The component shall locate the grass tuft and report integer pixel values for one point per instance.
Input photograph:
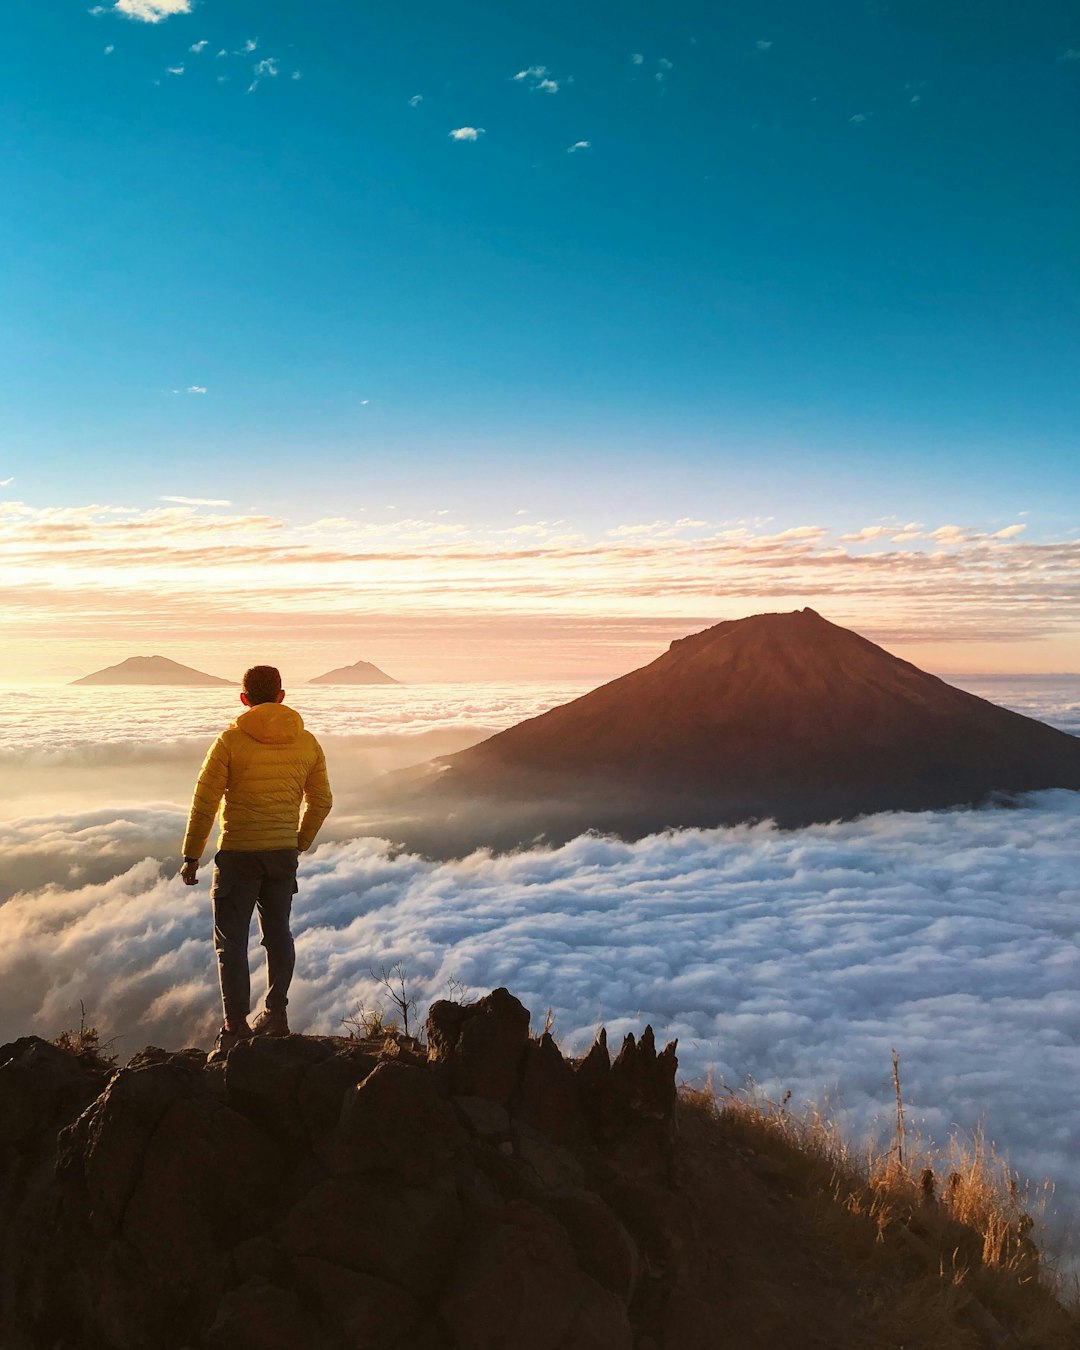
(957, 1219)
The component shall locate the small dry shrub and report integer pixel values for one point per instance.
(85, 1043)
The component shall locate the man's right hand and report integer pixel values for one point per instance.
(189, 870)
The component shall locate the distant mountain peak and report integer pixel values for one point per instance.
(360, 672)
(152, 670)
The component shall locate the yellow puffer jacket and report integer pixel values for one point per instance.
(264, 766)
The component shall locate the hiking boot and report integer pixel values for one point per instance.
(271, 1023)
(226, 1039)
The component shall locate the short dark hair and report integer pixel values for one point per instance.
(262, 684)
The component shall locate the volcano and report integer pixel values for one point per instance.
(781, 716)
(361, 672)
(151, 670)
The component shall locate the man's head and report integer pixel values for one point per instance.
(262, 684)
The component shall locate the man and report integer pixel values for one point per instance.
(264, 766)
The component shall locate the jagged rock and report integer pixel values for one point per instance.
(548, 1097)
(482, 1045)
(395, 1121)
(325, 1194)
(518, 1284)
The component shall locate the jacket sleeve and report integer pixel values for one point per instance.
(317, 802)
(213, 777)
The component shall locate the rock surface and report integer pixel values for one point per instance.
(477, 1193)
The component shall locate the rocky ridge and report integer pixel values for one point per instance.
(481, 1191)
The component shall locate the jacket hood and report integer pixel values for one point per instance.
(270, 723)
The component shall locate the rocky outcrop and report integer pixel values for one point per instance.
(475, 1192)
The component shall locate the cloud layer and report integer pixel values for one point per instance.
(801, 959)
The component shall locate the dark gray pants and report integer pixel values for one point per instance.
(263, 879)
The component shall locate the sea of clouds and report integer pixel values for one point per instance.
(800, 959)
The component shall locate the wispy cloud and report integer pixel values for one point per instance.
(538, 78)
(953, 583)
(1073, 54)
(416, 100)
(267, 67)
(578, 145)
(858, 117)
(109, 49)
(466, 133)
(198, 46)
(762, 45)
(248, 47)
(6, 482)
(196, 389)
(175, 70)
(146, 11)
(197, 501)
(637, 58)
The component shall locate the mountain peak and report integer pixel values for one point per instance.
(785, 716)
(151, 670)
(360, 672)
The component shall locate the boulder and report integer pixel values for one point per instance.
(481, 1045)
(263, 1075)
(395, 1122)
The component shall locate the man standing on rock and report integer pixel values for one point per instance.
(264, 766)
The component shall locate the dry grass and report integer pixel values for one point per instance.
(956, 1223)
(86, 1044)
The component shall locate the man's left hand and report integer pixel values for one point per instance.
(189, 870)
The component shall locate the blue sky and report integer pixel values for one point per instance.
(516, 281)
(802, 242)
